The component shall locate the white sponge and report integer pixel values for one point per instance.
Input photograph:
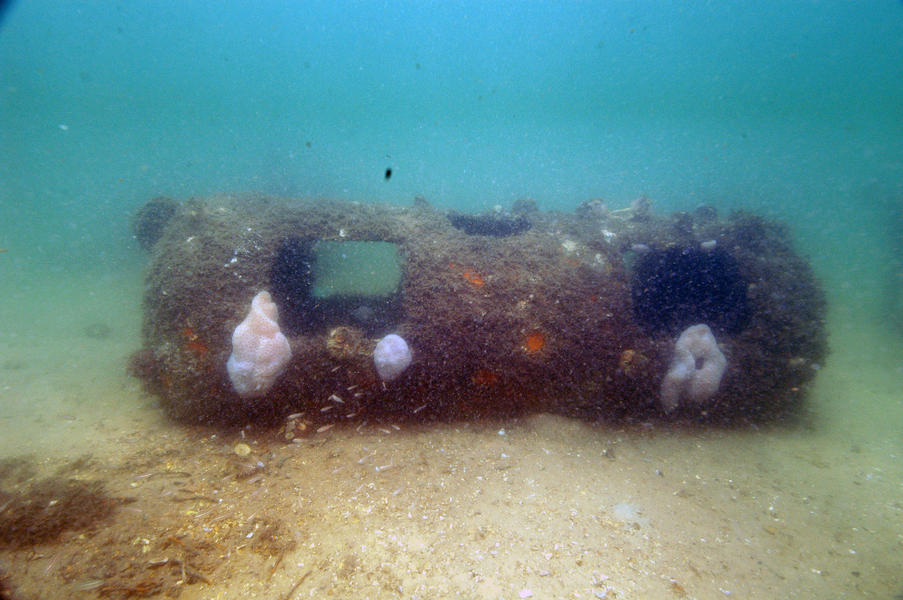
(391, 357)
(260, 351)
(696, 368)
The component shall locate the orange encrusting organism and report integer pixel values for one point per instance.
(472, 277)
(534, 342)
(198, 348)
(192, 343)
(484, 377)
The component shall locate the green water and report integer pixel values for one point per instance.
(355, 269)
(788, 109)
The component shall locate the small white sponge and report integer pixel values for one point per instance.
(391, 357)
(696, 368)
(260, 351)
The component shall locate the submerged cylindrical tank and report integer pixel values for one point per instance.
(505, 312)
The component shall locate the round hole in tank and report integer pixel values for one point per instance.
(675, 288)
(321, 284)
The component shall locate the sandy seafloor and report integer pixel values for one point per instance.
(538, 507)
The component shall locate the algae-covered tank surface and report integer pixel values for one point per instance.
(646, 260)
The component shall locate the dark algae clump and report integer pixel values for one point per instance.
(40, 511)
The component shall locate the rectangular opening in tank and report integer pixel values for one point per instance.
(321, 284)
(355, 269)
